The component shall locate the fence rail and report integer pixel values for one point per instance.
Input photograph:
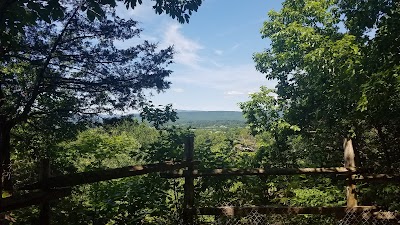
(33, 198)
(52, 188)
(70, 180)
(263, 172)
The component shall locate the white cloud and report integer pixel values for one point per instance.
(218, 52)
(178, 90)
(209, 74)
(208, 107)
(187, 50)
(161, 29)
(242, 78)
(234, 93)
(233, 48)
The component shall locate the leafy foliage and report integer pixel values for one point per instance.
(157, 116)
(59, 59)
(331, 72)
(151, 199)
(16, 15)
(77, 69)
(335, 81)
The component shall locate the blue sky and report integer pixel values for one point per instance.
(213, 67)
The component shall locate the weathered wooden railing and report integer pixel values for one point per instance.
(349, 172)
(51, 188)
(33, 198)
(70, 180)
(261, 172)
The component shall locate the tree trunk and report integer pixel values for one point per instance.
(5, 157)
(5, 164)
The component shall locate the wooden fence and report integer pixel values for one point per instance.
(348, 172)
(51, 188)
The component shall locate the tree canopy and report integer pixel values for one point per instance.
(337, 67)
(16, 14)
(59, 60)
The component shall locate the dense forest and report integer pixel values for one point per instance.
(336, 63)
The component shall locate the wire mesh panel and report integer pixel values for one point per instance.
(369, 217)
(278, 219)
(255, 217)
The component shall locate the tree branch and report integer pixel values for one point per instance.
(40, 75)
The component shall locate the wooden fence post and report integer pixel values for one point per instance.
(349, 162)
(188, 202)
(44, 217)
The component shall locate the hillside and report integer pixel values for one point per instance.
(210, 118)
(195, 119)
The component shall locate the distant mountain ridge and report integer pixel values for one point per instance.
(195, 118)
(195, 115)
(207, 119)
